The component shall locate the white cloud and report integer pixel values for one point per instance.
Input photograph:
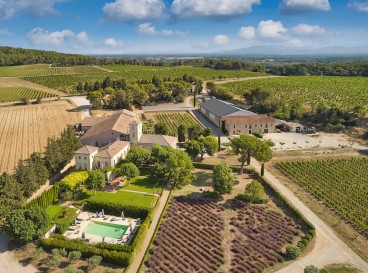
(308, 30)
(361, 6)
(39, 36)
(213, 8)
(149, 29)
(82, 37)
(302, 6)
(111, 42)
(272, 30)
(131, 10)
(36, 8)
(221, 40)
(247, 33)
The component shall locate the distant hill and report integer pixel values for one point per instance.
(20, 56)
(284, 50)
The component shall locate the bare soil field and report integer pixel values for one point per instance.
(25, 129)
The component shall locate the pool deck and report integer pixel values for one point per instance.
(84, 218)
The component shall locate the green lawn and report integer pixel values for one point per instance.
(55, 213)
(341, 268)
(143, 184)
(120, 197)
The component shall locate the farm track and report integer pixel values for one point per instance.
(25, 129)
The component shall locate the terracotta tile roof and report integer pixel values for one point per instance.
(91, 121)
(112, 149)
(86, 150)
(161, 140)
(249, 119)
(119, 122)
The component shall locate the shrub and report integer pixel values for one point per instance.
(53, 261)
(72, 269)
(37, 253)
(93, 262)
(74, 256)
(66, 195)
(59, 251)
(72, 181)
(109, 270)
(292, 252)
(311, 269)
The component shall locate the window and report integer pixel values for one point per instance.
(79, 157)
(246, 126)
(234, 126)
(271, 124)
(255, 125)
(250, 126)
(238, 131)
(85, 157)
(266, 125)
(234, 132)
(261, 125)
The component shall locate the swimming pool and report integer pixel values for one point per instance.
(106, 229)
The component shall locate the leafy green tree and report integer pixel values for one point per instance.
(161, 128)
(74, 256)
(255, 191)
(96, 180)
(193, 147)
(223, 179)
(138, 156)
(264, 154)
(182, 131)
(24, 225)
(11, 194)
(245, 146)
(219, 143)
(109, 270)
(26, 176)
(209, 145)
(173, 166)
(194, 132)
(93, 262)
(311, 269)
(53, 261)
(95, 98)
(292, 252)
(207, 132)
(129, 170)
(72, 269)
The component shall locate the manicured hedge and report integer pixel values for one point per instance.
(247, 198)
(116, 209)
(87, 250)
(74, 180)
(47, 197)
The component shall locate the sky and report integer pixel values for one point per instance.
(181, 26)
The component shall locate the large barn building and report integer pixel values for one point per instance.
(236, 121)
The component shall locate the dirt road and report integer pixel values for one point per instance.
(133, 268)
(328, 247)
(10, 264)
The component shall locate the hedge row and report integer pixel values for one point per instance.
(247, 198)
(122, 248)
(47, 197)
(111, 256)
(116, 209)
(205, 166)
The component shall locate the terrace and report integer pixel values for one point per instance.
(96, 228)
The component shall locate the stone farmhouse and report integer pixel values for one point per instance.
(107, 140)
(236, 121)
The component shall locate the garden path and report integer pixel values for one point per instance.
(328, 248)
(141, 252)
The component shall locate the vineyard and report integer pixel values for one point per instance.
(8, 94)
(25, 129)
(191, 238)
(341, 183)
(45, 70)
(67, 83)
(171, 119)
(312, 90)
